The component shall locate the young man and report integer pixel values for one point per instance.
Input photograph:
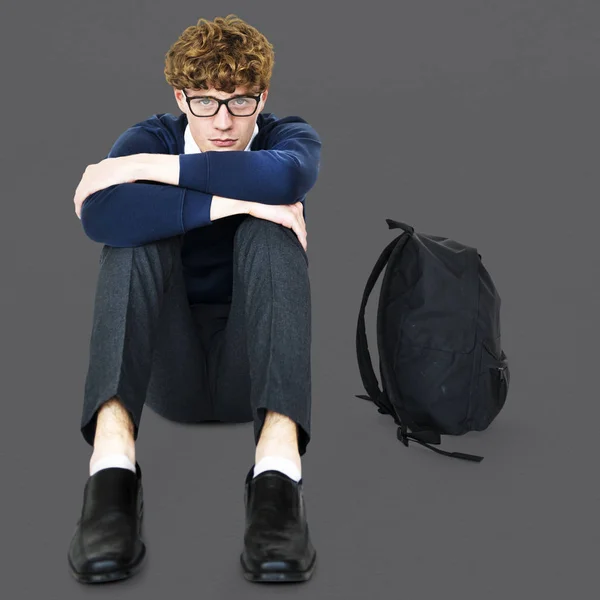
(202, 308)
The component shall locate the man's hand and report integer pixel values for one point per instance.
(107, 172)
(288, 215)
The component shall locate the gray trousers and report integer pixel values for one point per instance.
(205, 362)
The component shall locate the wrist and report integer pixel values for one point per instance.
(163, 168)
(225, 207)
(138, 166)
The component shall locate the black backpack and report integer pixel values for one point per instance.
(442, 367)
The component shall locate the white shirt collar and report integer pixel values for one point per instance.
(192, 148)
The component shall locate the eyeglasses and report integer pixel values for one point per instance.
(207, 106)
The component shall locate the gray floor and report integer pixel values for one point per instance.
(492, 140)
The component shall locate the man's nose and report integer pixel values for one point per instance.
(223, 119)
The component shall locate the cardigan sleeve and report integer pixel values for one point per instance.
(281, 174)
(136, 213)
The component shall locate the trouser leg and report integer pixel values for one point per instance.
(262, 360)
(143, 343)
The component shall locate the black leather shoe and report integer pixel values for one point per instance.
(107, 543)
(277, 546)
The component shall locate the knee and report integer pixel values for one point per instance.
(253, 228)
(252, 233)
(165, 248)
(257, 233)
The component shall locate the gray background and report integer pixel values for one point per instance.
(487, 133)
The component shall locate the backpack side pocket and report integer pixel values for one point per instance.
(492, 384)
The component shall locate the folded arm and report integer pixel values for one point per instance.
(154, 207)
(132, 214)
(281, 175)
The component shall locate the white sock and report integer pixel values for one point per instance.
(112, 460)
(285, 465)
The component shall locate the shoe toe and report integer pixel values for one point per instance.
(103, 564)
(107, 566)
(278, 568)
(282, 565)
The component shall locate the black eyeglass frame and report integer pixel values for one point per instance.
(225, 102)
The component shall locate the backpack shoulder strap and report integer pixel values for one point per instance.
(365, 364)
(362, 348)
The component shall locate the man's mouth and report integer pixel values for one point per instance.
(223, 143)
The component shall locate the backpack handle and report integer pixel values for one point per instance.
(400, 225)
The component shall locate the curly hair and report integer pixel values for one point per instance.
(222, 54)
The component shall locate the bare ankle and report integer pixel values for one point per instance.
(114, 431)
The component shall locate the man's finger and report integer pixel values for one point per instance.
(301, 232)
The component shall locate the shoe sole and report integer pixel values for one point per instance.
(278, 576)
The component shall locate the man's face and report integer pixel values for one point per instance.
(205, 130)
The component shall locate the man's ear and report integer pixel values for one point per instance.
(180, 100)
(264, 98)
